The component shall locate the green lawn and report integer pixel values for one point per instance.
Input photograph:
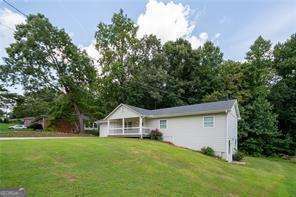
(132, 167)
(4, 127)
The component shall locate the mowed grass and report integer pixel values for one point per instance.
(132, 167)
(4, 127)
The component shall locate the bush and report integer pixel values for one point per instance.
(156, 135)
(238, 156)
(208, 151)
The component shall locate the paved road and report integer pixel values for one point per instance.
(38, 138)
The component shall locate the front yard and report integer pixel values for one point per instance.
(132, 167)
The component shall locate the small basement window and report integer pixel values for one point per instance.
(208, 121)
(163, 124)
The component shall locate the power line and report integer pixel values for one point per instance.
(15, 8)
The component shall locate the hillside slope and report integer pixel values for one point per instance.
(132, 167)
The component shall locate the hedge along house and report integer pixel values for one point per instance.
(192, 126)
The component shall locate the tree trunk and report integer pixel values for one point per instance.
(80, 119)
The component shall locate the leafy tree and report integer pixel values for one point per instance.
(147, 85)
(232, 79)
(34, 103)
(283, 93)
(192, 73)
(7, 99)
(258, 132)
(44, 56)
(117, 45)
(180, 62)
(250, 83)
(209, 60)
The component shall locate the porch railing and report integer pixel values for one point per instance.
(129, 131)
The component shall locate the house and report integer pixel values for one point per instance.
(192, 126)
(28, 120)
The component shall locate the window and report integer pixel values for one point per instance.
(162, 124)
(208, 121)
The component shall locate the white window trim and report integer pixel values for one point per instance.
(166, 124)
(203, 123)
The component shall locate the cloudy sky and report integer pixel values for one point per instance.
(232, 25)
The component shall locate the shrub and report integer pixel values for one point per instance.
(238, 156)
(155, 135)
(208, 151)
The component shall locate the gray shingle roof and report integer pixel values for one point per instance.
(187, 109)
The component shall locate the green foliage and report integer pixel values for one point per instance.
(283, 93)
(43, 56)
(238, 156)
(156, 135)
(208, 151)
(33, 104)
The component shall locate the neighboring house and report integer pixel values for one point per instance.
(192, 126)
(28, 120)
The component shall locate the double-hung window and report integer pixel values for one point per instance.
(163, 124)
(208, 121)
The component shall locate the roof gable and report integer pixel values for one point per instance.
(122, 111)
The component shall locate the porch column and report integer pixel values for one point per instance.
(108, 123)
(140, 126)
(122, 125)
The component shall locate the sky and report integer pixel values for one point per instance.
(233, 25)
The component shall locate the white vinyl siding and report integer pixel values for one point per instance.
(208, 121)
(163, 124)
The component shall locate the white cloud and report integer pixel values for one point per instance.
(91, 51)
(8, 21)
(169, 21)
(198, 41)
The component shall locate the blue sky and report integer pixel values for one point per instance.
(232, 25)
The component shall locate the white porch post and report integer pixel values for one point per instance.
(123, 126)
(140, 125)
(108, 126)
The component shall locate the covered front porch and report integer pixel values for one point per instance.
(128, 127)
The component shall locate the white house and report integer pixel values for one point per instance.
(192, 126)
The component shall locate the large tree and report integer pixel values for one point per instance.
(192, 74)
(283, 93)
(132, 68)
(44, 56)
(117, 45)
(250, 83)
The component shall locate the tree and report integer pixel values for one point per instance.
(34, 103)
(117, 44)
(147, 85)
(44, 56)
(250, 83)
(257, 131)
(179, 67)
(283, 93)
(192, 73)
(7, 100)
